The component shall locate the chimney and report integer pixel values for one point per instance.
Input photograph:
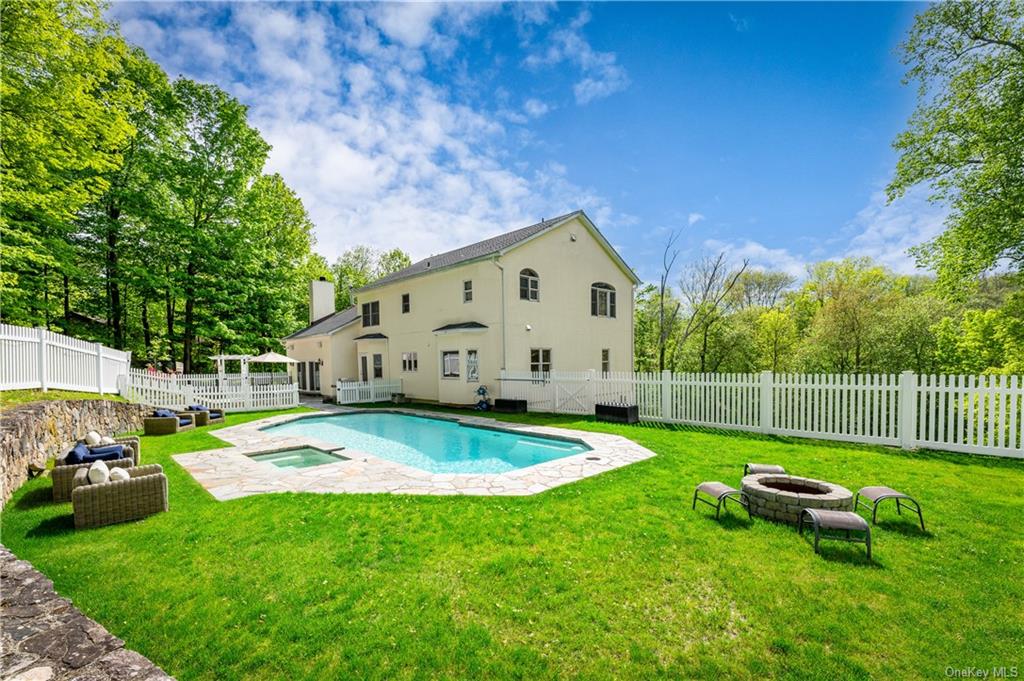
(321, 299)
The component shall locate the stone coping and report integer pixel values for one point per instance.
(230, 473)
(45, 637)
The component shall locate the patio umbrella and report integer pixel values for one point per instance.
(273, 358)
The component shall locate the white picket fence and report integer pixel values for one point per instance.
(231, 392)
(976, 414)
(354, 392)
(37, 358)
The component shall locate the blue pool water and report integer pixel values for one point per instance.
(431, 444)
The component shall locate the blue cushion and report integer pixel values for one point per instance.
(77, 455)
(184, 420)
(198, 407)
(163, 413)
(216, 414)
(107, 449)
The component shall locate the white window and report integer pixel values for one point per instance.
(378, 366)
(410, 362)
(405, 303)
(467, 291)
(602, 300)
(540, 360)
(472, 367)
(606, 360)
(529, 285)
(371, 313)
(450, 364)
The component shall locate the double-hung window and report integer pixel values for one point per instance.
(472, 367)
(371, 313)
(378, 366)
(602, 300)
(529, 285)
(405, 303)
(450, 364)
(467, 291)
(606, 360)
(410, 362)
(540, 360)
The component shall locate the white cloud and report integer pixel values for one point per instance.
(601, 74)
(379, 153)
(885, 231)
(535, 108)
(694, 218)
(760, 256)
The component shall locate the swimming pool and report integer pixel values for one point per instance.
(433, 445)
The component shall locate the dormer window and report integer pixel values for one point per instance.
(371, 313)
(602, 300)
(529, 285)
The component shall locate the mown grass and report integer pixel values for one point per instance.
(14, 398)
(611, 577)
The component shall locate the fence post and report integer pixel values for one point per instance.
(42, 358)
(592, 391)
(666, 395)
(908, 410)
(99, 367)
(767, 406)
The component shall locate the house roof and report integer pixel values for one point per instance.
(487, 247)
(328, 324)
(371, 336)
(461, 326)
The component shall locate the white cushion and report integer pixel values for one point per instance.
(92, 438)
(107, 440)
(98, 472)
(119, 474)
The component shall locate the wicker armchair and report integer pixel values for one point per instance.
(106, 503)
(205, 417)
(63, 474)
(168, 425)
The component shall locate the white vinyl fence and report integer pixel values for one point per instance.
(354, 392)
(37, 358)
(231, 392)
(976, 414)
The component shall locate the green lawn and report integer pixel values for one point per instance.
(13, 398)
(613, 576)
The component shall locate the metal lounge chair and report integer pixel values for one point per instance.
(877, 495)
(843, 521)
(721, 493)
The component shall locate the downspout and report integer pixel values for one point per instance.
(632, 331)
(503, 331)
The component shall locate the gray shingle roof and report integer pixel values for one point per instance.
(478, 250)
(324, 325)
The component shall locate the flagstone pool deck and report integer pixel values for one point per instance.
(230, 473)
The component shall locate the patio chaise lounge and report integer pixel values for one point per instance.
(142, 494)
(721, 493)
(845, 522)
(877, 495)
(124, 453)
(206, 415)
(167, 422)
(758, 468)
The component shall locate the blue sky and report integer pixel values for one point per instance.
(761, 129)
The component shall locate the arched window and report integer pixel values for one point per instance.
(602, 300)
(529, 285)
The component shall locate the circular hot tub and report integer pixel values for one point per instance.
(782, 497)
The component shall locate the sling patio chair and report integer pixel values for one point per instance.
(721, 493)
(758, 468)
(845, 522)
(877, 495)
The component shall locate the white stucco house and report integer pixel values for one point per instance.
(553, 296)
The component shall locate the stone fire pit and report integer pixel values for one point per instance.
(782, 497)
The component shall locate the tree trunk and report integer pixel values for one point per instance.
(114, 286)
(169, 301)
(147, 334)
(189, 317)
(67, 299)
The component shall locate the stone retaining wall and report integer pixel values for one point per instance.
(33, 433)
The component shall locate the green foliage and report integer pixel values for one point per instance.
(613, 577)
(966, 138)
(360, 265)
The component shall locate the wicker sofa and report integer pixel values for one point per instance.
(168, 425)
(106, 503)
(62, 475)
(205, 417)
